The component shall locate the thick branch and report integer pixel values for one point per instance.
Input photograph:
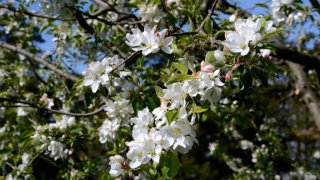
(307, 94)
(39, 60)
(289, 54)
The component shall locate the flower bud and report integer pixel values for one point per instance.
(265, 52)
(228, 76)
(206, 67)
(234, 68)
(220, 58)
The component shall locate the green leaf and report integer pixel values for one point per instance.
(262, 5)
(272, 33)
(263, 23)
(210, 57)
(77, 84)
(200, 35)
(198, 109)
(172, 115)
(159, 91)
(177, 50)
(179, 78)
(170, 165)
(44, 27)
(183, 69)
(246, 80)
(219, 35)
(268, 65)
(133, 3)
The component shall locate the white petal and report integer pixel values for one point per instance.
(95, 86)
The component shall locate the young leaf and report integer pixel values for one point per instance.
(179, 78)
(172, 115)
(170, 165)
(183, 69)
(198, 109)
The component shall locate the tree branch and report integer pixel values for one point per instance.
(316, 5)
(26, 12)
(289, 54)
(40, 61)
(307, 94)
(201, 25)
(133, 55)
(31, 105)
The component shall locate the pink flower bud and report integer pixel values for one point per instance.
(228, 76)
(205, 67)
(234, 68)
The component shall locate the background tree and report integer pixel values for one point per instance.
(159, 89)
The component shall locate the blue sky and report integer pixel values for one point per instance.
(244, 4)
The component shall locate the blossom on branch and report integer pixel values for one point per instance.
(149, 41)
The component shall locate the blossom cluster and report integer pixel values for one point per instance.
(54, 148)
(56, 6)
(154, 134)
(280, 16)
(118, 113)
(98, 72)
(149, 41)
(248, 32)
(150, 12)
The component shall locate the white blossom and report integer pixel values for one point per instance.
(182, 135)
(149, 41)
(116, 163)
(176, 94)
(144, 118)
(316, 154)
(108, 130)
(56, 150)
(120, 108)
(98, 72)
(47, 101)
(247, 32)
(150, 12)
(66, 121)
(265, 52)
(245, 144)
(160, 114)
(21, 111)
(212, 147)
(277, 13)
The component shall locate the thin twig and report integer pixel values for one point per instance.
(208, 16)
(31, 105)
(23, 11)
(128, 59)
(201, 25)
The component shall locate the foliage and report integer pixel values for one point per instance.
(158, 89)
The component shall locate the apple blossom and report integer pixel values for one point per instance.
(57, 150)
(149, 41)
(108, 130)
(116, 163)
(150, 12)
